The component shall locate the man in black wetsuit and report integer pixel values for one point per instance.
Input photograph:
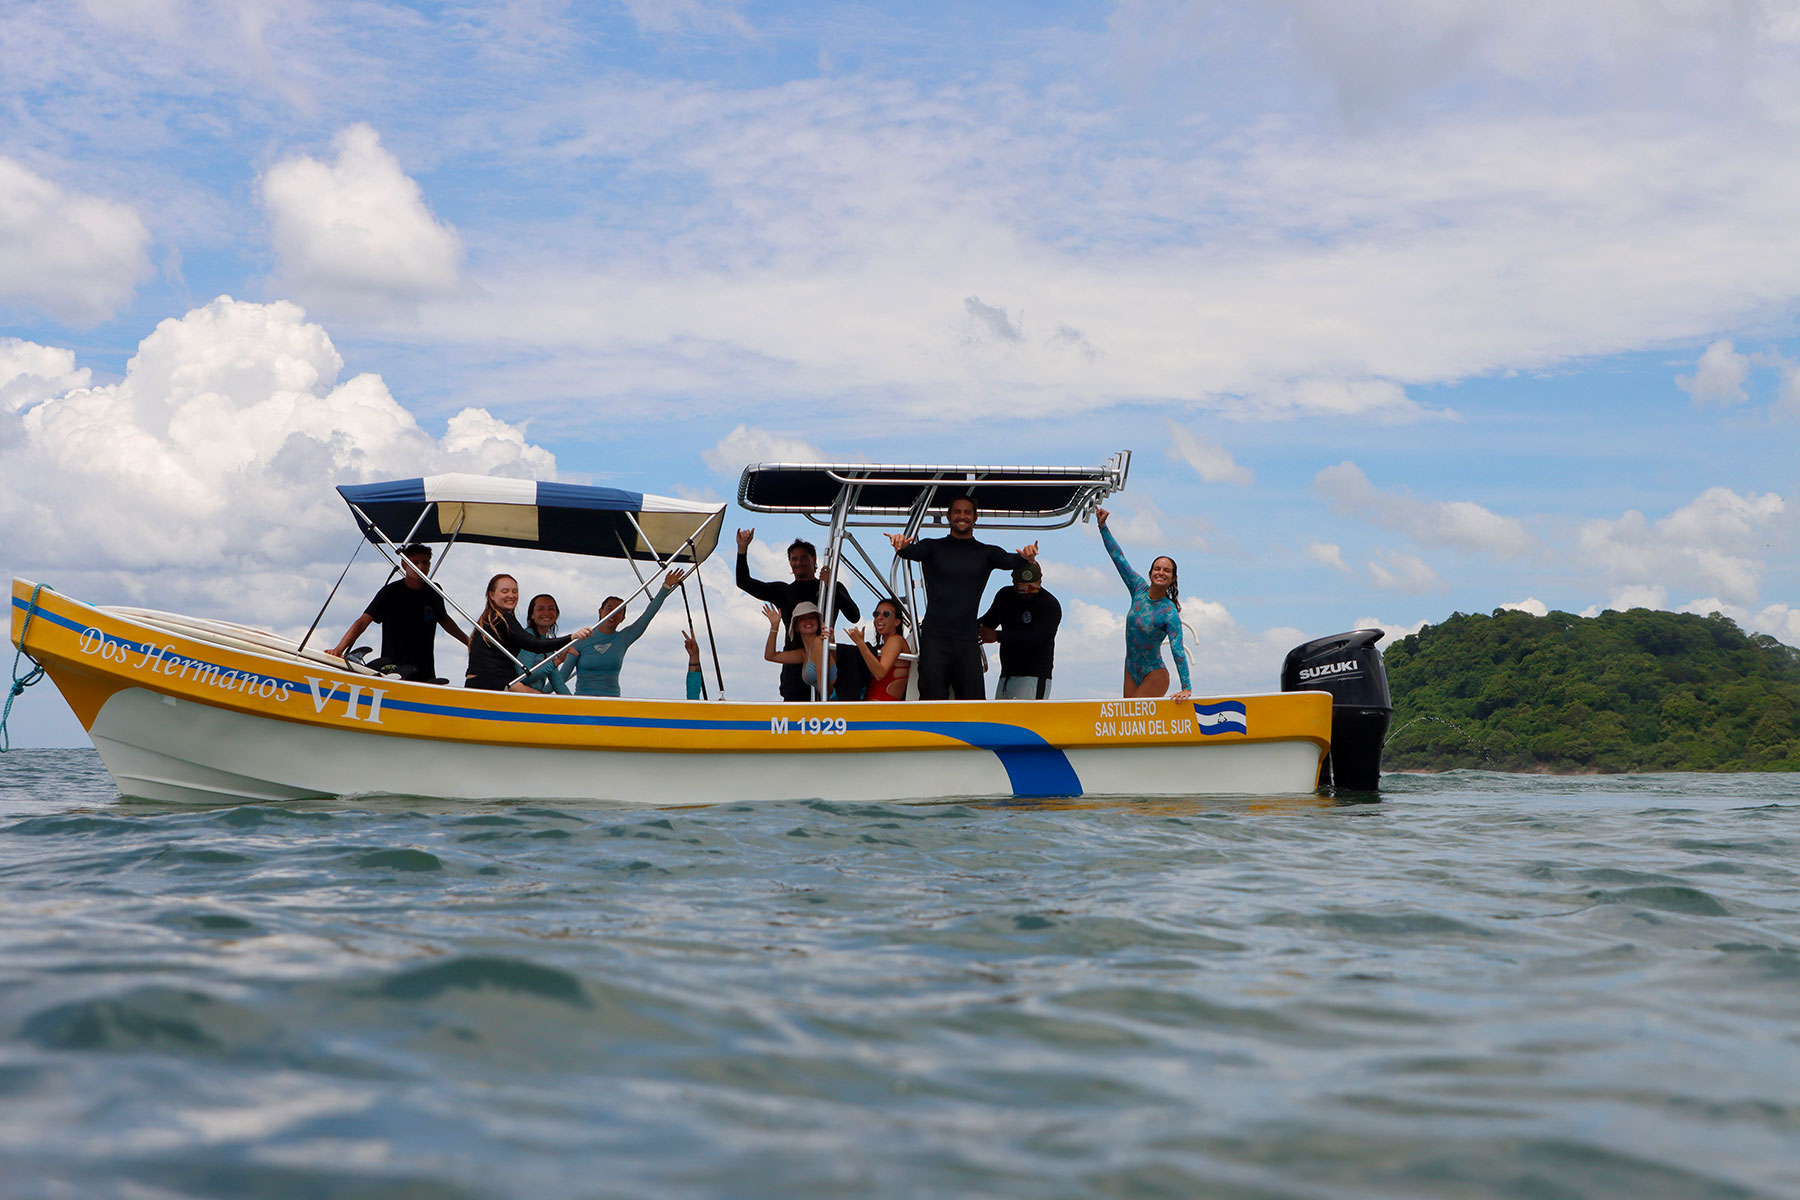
(803, 561)
(409, 614)
(956, 574)
(1023, 618)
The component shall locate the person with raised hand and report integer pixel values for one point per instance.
(1155, 615)
(888, 672)
(803, 561)
(489, 668)
(812, 645)
(956, 570)
(600, 654)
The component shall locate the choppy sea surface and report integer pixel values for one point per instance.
(1483, 985)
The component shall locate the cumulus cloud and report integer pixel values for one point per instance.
(30, 373)
(1530, 604)
(1395, 571)
(1713, 544)
(206, 473)
(1718, 378)
(1456, 524)
(1211, 461)
(73, 256)
(357, 231)
(745, 445)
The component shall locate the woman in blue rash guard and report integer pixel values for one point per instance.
(540, 618)
(599, 656)
(1155, 614)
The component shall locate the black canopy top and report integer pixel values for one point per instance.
(1012, 494)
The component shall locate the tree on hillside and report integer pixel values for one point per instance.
(1624, 691)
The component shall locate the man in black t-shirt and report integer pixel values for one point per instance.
(409, 614)
(1023, 618)
(803, 561)
(956, 573)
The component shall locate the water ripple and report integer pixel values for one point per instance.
(1484, 985)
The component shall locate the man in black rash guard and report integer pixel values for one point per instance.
(1023, 618)
(803, 561)
(410, 615)
(956, 574)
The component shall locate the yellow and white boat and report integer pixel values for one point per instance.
(186, 709)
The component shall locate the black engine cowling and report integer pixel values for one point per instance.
(1349, 667)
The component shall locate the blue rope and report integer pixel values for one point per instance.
(21, 682)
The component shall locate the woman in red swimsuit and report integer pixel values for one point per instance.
(888, 669)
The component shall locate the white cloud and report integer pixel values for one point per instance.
(745, 445)
(1211, 461)
(1530, 604)
(1394, 631)
(205, 475)
(1779, 621)
(1718, 377)
(30, 373)
(1639, 596)
(1327, 554)
(73, 256)
(1458, 524)
(1395, 571)
(357, 232)
(1713, 544)
(1135, 519)
(1379, 399)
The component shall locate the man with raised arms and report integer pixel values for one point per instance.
(803, 561)
(956, 572)
(410, 615)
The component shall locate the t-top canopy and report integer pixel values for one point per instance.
(568, 517)
(874, 490)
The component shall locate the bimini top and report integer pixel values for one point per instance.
(568, 517)
(1005, 495)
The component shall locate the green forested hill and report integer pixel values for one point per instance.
(1623, 691)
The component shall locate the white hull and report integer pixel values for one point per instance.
(162, 748)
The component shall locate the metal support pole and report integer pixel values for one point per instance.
(390, 552)
(328, 598)
(718, 672)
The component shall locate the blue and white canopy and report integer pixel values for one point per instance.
(567, 517)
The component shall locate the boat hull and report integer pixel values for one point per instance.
(178, 718)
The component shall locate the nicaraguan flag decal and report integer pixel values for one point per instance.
(1227, 716)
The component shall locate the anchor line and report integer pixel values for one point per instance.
(21, 682)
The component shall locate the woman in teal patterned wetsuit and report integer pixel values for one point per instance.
(1155, 614)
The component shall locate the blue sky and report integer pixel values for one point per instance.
(1404, 308)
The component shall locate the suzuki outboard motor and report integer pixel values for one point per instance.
(1349, 667)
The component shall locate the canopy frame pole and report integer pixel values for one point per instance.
(693, 552)
(840, 512)
(914, 521)
(454, 534)
(329, 596)
(625, 552)
(706, 615)
(662, 566)
(311, 629)
(390, 552)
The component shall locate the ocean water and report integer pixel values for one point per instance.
(1483, 985)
